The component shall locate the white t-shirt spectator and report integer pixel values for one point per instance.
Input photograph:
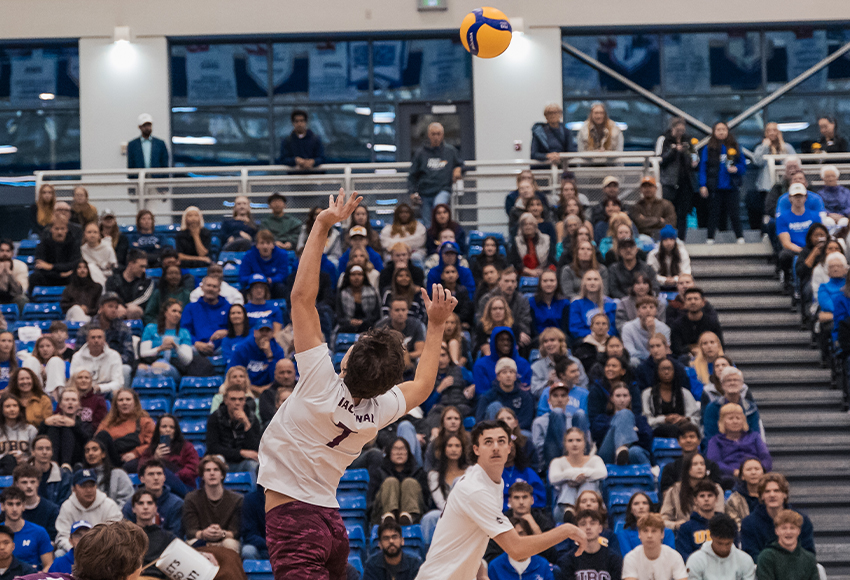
(318, 431)
(472, 516)
(668, 566)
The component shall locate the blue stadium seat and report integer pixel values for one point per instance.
(353, 510)
(377, 224)
(43, 325)
(200, 449)
(231, 273)
(155, 385)
(477, 237)
(166, 229)
(196, 406)
(29, 261)
(666, 447)
(27, 247)
(73, 327)
(219, 362)
(195, 430)
(338, 360)
(135, 326)
(134, 479)
(355, 561)
(344, 340)
(240, 481)
(198, 273)
(630, 477)
(357, 541)
(6, 481)
(413, 540)
(10, 312)
(258, 569)
(354, 480)
(127, 229)
(153, 272)
(528, 284)
(156, 406)
(43, 294)
(534, 355)
(469, 423)
(235, 257)
(44, 311)
(200, 385)
(618, 500)
(27, 346)
(213, 226)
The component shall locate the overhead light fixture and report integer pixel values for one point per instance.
(362, 111)
(791, 127)
(517, 25)
(46, 96)
(7, 149)
(183, 109)
(385, 148)
(189, 140)
(121, 34)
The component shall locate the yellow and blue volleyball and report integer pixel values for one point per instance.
(486, 32)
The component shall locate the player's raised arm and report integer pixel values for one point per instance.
(439, 309)
(306, 328)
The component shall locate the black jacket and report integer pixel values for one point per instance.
(16, 569)
(64, 255)
(685, 332)
(672, 473)
(675, 165)
(227, 438)
(376, 568)
(158, 540)
(620, 279)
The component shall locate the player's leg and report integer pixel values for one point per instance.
(338, 559)
(301, 543)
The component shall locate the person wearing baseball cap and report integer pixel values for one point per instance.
(358, 238)
(87, 503)
(146, 151)
(506, 392)
(651, 213)
(265, 258)
(610, 190)
(64, 564)
(258, 305)
(791, 229)
(259, 354)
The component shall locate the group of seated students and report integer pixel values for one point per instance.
(629, 350)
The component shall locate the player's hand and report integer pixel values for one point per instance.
(577, 536)
(339, 209)
(441, 306)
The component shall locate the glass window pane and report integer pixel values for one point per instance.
(345, 130)
(45, 139)
(710, 110)
(320, 71)
(790, 53)
(219, 74)
(220, 136)
(438, 69)
(798, 117)
(838, 71)
(634, 56)
(716, 62)
(384, 144)
(28, 75)
(641, 121)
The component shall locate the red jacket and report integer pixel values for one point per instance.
(93, 409)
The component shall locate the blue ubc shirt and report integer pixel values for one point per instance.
(796, 226)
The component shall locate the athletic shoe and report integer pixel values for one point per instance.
(622, 457)
(404, 519)
(710, 241)
(740, 241)
(387, 517)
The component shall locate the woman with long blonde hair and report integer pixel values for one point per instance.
(42, 210)
(591, 300)
(708, 350)
(194, 241)
(772, 144)
(599, 133)
(496, 312)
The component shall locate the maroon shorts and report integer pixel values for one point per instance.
(306, 542)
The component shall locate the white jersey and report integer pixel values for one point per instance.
(667, 566)
(319, 431)
(472, 516)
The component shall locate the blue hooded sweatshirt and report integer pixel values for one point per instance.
(519, 401)
(276, 268)
(202, 319)
(583, 309)
(725, 180)
(538, 569)
(484, 370)
(260, 368)
(464, 274)
(170, 510)
(757, 531)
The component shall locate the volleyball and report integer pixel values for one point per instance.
(485, 32)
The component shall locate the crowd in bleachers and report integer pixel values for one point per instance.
(141, 364)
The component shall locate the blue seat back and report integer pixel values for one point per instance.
(10, 312)
(43, 294)
(156, 406)
(194, 429)
(258, 569)
(161, 384)
(200, 385)
(42, 311)
(195, 406)
(240, 481)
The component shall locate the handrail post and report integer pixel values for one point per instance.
(140, 189)
(243, 174)
(554, 181)
(346, 179)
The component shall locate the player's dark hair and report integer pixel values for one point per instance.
(722, 526)
(485, 426)
(375, 363)
(590, 514)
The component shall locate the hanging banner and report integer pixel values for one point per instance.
(283, 63)
(581, 78)
(388, 59)
(32, 74)
(687, 63)
(329, 73)
(210, 76)
(444, 68)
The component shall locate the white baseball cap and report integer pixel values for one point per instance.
(797, 189)
(145, 118)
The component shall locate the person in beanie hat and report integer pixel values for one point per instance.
(506, 392)
(669, 259)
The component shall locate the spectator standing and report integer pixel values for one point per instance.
(302, 149)
(652, 559)
(131, 286)
(206, 319)
(194, 241)
(358, 305)
(678, 160)
(127, 429)
(830, 141)
(599, 133)
(551, 138)
(54, 482)
(721, 170)
(234, 434)
(18, 435)
(87, 503)
(650, 213)
(56, 257)
(238, 231)
(145, 237)
(772, 144)
(433, 169)
(285, 228)
(41, 212)
(80, 297)
(169, 507)
(405, 229)
(212, 513)
(103, 365)
(146, 151)
(391, 562)
(719, 558)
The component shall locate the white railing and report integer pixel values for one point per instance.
(811, 166)
(478, 199)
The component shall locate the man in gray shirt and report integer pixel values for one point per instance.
(433, 170)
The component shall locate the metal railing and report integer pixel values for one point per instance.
(477, 199)
(811, 164)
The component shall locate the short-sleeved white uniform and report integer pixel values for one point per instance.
(472, 516)
(318, 432)
(668, 566)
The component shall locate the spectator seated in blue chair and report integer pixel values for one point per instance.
(358, 239)
(689, 440)
(234, 433)
(735, 443)
(254, 525)
(629, 538)
(267, 259)
(259, 354)
(238, 231)
(258, 305)
(449, 256)
(636, 333)
(520, 500)
(86, 503)
(791, 228)
(169, 506)
(398, 487)
(228, 292)
(451, 462)
(574, 472)
(284, 227)
(403, 286)
(549, 308)
(333, 245)
(518, 467)
(719, 558)
(14, 276)
(745, 495)
(132, 286)
(64, 564)
(464, 310)
(80, 297)
(212, 514)
(441, 220)
(37, 509)
(553, 346)
(206, 319)
(532, 250)
(145, 238)
(358, 305)
(112, 481)
(565, 407)
(165, 347)
(392, 561)
(284, 383)
(506, 391)
(599, 560)
(693, 533)
(170, 286)
(145, 515)
(679, 499)
(450, 390)
(502, 346)
(591, 301)
(627, 308)
(612, 370)
(536, 567)
(732, 390)
(567, 373)
(108, 375)
(623, 436)
(238, 330)
(55, 257)
(668, 405)
(518, 304)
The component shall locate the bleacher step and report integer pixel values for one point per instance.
(823, 467)
(837, 442)
(748, 303)
(750, 320)
(774, 356)
(757, 375)
(807, 399)
(802, 420)
(746, 286)
(796, 338)
(733, 269)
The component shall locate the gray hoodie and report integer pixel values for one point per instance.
(120, 486)
(102, 510)
(704, 564)
(17, 438)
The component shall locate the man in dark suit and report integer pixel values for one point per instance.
(146, 151)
